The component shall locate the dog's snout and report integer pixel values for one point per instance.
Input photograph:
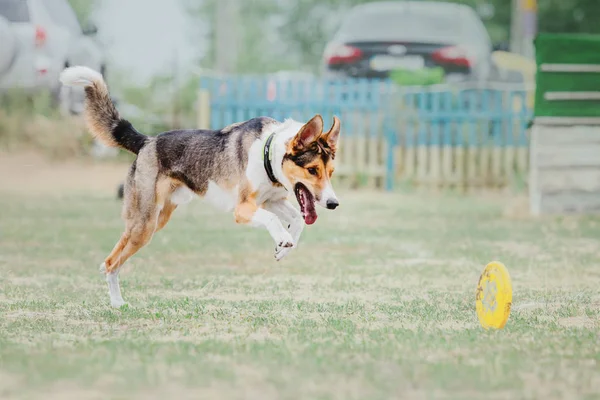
(332, 204)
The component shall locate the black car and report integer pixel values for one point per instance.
(376, 38)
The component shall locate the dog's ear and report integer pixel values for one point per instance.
(333, 135)
(309, 133)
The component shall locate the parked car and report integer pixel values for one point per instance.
(377, 38)
(44, 36)
(8, 50)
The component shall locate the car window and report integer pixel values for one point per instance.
(62, 14)
(14, 10)
(417, 25)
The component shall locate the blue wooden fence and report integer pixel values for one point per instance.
(438, 135)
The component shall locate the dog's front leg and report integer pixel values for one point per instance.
(292, 218)
(247, 212)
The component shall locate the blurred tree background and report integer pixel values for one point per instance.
(303, 27)
(274, 35)
(84, 9)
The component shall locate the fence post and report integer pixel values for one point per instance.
(390, 136)
(203, 121)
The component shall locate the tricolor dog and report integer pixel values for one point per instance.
(248, 168)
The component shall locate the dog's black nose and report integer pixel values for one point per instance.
(332, 204)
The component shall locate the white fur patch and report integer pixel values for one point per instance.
(268, 220)
(221, 198)
(114, 289)
(182, 195)
(80, 76)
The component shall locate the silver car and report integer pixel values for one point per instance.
(39, 39)
(379, 37)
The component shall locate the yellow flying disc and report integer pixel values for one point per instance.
(494, 296)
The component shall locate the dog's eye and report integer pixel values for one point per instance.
(313, 171)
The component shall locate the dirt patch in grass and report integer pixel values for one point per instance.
(35, 174)
(517, 208)
(578, 322)
(519, 249)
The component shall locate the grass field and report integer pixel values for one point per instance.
(377, 302)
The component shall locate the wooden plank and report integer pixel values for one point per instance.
(448, 176)
(567, 121)
(374, 159)
(571, 156)
(522, 160)
(557, 96)
(484, 164)
(342, 164)
(570, 68)
(203, 116)
(422, 164)
(410, 152)
(567, 136)
(399, 153)
(496, 171)
(435, 165)
(555, 180)
(409, 163)
(372, 153)
(348, 156)
(509, 163)
(472, 176)
(459, 153)
(352, 156)
(361, 154)
(570, 202)
(381, 162)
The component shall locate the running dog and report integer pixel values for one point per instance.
(248, 168)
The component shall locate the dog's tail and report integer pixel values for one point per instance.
(101, 116)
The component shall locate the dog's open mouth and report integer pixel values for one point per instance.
(307, 203)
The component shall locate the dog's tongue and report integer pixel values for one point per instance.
(310, 217)
(308, 207)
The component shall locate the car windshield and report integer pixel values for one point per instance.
(14, 10)
(404, 24)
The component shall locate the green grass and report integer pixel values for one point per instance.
(378, 302)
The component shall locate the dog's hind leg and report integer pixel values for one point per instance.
(111, 265)
(114, 288)
(153, 214)
(112, 278)
(141, 209)
(137, 234)
(165, 214)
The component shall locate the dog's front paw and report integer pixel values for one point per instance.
(284, 246)
(281, 252)
(285, 241)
